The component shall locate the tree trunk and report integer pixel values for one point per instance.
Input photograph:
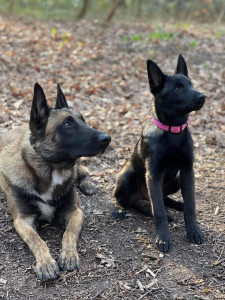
(83, 9)
(139, 9)
(11, 4)
(114, 5)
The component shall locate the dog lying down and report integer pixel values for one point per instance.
(39, 167)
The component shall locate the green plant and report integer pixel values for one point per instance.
(65, 38)
(53, 31)
(151, 53)
(160, 34)
(125, 38)
(136, 37)
(80, 44)
(219, 33)
(193, 43)
(205, 64)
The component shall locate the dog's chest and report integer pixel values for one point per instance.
(45, 206)
(57, 179)
(46, 211)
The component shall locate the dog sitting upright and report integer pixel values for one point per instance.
(38, 173)
(162, 161)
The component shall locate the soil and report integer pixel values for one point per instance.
(102, 71)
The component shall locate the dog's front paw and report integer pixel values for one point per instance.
(195, 235)
(87, 188)
(163, 243)
(47, 270)
(69, 260)
(119, 214)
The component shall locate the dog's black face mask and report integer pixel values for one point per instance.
(174, 95)
(60, 135)
(74, 138)
(178, 97)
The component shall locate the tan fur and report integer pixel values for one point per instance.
(39, 171)
(18, 164)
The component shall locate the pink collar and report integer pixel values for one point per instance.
(172, 129)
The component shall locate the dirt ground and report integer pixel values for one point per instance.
(102, 71)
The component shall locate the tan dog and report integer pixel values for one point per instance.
(39, 167)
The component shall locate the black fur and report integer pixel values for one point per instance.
(60, 100)
(39, 111)
(162, 161)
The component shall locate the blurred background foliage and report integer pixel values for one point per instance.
(128, 10)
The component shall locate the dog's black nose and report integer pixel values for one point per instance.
(202, 97)
(104, 139)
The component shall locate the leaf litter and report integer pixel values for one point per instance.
(103, 75)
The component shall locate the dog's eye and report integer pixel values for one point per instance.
(178, 88)
(67, 123)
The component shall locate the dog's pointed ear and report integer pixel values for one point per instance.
(39, 110)
(61, 100)
(181, 66)
(156, 77)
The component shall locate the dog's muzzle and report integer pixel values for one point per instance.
(104, 139)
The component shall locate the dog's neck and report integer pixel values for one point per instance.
(167, 119)
(61, 164)
(169, 128)
(172, 124)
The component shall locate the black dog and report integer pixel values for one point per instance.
(162, 161)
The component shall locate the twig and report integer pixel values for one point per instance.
(221, 253)
(140, 285)
(217, 262)
(124, 241)
(142, 270)
(217, 210)
(148, 292)
(99, 293)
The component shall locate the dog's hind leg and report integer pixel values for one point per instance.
(177, 205)
(126, 186)
(144, 207)
(46, 266)
(83, 179)
(169, 188)
(119, 213)
(131, 191)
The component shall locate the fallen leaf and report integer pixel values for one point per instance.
(105, 260)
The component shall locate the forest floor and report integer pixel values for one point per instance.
(102, 71)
